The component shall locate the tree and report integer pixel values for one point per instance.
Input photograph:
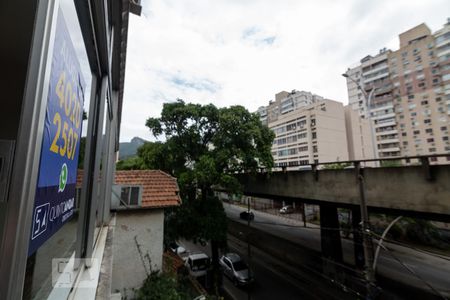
(205, 146)
(131, 163)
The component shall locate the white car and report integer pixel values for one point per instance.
(197, 264)
(236, 269)
(177, 249)
(286, 209)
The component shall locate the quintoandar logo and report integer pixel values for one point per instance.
(62, 178)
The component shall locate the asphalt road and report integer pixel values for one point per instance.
(269, 282)
(433, 270)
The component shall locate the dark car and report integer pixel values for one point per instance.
(246, 215)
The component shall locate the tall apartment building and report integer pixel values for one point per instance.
(359, 139)
(373, 74)
(411, 104)
(313, 133)
(420, 106)
(286, 102)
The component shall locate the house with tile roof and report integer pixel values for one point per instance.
(138, 200)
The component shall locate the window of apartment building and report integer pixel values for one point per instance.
(430, 140)
(422, 85)
(427, 112)
(404, 54)
(130, 196)
(445, 77)
(416, 132)
(303, 149)
(410, 97)
(405, 143)
(302, 135)
(404, 134)
(432, 149)
(438, 99)
(425, 102)
(315, 149)
(301, 124)
(292, 151)
(413, 114)
(430, 53)
(430, 45)
(313, 122)
(412, 106)
(429, 130)
(314, 135)
(402, 116)
(436, 81)
(415, 123)
(427, 121)
(443, 128)
(291, 127)
(445, 138)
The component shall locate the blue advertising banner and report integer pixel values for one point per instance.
(55, 193)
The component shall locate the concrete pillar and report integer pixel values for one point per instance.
(329, 233)
(357, 237)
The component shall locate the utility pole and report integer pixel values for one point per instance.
(249, 250)
(369, 273)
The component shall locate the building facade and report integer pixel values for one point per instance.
(359, 139)
(374, 75)
(62, 58)
(411, 94)
(310, 134)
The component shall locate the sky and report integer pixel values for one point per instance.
(243, 52)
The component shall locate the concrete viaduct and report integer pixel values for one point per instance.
(421, 191)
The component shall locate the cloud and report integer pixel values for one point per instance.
(229, 52)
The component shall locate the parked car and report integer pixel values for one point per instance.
(236, 269)
(246, 215)
(176, 248)
(197, 264)
(287, 209)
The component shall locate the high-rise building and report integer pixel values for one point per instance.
(311, 134)
(359, 139)
(374, 78)
(410, 106)
(419, 105)
(286, 102)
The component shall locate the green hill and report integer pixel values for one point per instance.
(129, 149)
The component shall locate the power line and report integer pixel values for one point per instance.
(414, 273)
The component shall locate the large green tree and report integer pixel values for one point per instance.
(205, 146)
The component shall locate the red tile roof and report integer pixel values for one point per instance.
(159, 189)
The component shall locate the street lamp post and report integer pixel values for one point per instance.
(368, 100)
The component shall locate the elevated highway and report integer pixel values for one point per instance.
(410, 190)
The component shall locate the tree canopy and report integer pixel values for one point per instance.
(204, 146)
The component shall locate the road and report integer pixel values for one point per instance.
(269, 282)
(434, 270)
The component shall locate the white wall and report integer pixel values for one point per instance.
(146, 227)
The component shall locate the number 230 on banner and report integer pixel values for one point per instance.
(67, 119)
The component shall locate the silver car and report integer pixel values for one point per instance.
(236, 269)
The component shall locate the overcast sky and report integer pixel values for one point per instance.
(244, 51)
